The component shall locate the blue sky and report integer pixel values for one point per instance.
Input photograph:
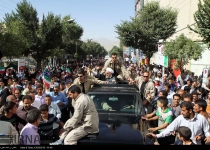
(97, 17)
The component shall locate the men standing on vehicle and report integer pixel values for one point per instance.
(96, 72)
(84, 81)
(118, 67)
(109, 76)
(84, 121)
(132, 72)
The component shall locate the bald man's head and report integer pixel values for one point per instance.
(11, 98)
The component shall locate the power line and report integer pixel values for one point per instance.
(170, 2)
(182, 29)
(180, 3)
(173, 3)
(2, 10)
(5, 7)
(185, 27)
(184, 5)
(12, 1)
(6, 3)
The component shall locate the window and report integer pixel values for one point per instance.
(116, 103)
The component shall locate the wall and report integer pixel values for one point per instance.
(198, 66)
(186, 10)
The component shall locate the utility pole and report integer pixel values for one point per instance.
(76, 52)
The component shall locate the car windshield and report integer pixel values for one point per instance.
(114, 103)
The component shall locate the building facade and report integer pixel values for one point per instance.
(138, 6)
(186, 10)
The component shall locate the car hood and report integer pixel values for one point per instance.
(112, 131)
(119, 133)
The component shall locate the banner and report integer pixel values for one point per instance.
(2, 69)
(21, 64)
(205, 75)
(165, 61)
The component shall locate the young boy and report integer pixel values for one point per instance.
(184, 134)
(164, 117)
(45, 129)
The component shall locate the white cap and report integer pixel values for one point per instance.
(157, 79)
(110, 70)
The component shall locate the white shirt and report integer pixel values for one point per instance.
(170, 97)
(36, 104)
(54, 109)
(183, 86)
(198, 125)
(40, 98)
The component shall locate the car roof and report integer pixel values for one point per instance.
(114, 88)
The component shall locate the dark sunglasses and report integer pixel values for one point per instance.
(80, 76)
(145, 76)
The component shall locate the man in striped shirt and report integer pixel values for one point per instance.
(45, 128)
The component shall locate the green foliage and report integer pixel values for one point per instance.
(48, 37)
(11, 44)
(117, 50)
(202, 19)
(144, 32)
(40, 38)
(182, 49)
(72, 32)
(93, 48)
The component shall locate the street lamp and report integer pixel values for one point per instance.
(76, 52)
(70, 20)
(76, 55)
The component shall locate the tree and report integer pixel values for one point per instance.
(11, 44)
(72, 32)
(202, 19)
(93, 48)
(41, 38)
(182, 49)
(144, 32)
(117, 50)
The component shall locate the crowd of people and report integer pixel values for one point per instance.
(37, 113)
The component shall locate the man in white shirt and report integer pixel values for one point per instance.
(34, 103)
(40, 94)
(189, 83)
(196, 122)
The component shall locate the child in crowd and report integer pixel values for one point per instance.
(164, 117)
(184, 134)
(45, 128)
